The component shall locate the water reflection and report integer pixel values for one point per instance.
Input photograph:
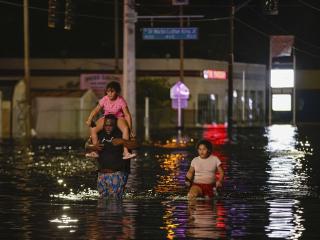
(281, 138)
(171, 176)
(196, 219)
(286, 221)
(174, 219)
(65, 222)
(84, 194)
(286, 177)
(206, 220)
(116, 217)
(49, 191)
(287, 173)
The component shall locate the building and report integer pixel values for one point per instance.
(207, 104)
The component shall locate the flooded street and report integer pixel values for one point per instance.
(271, 190)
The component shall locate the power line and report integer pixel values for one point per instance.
(309, 5)
(252, 28)
(267, 35)
(284, 30)
(306, 52)
(191, 20)
(12, 4)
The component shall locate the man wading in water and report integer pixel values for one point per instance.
(113, 170)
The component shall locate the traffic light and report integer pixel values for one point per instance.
(68, 15)
(270, 7)
(56, 9)
(52, 13)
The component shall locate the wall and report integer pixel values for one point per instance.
(65, 73)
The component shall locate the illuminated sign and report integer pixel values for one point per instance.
(179, 95)
(281, 102)
(282, 78)
(214, 74)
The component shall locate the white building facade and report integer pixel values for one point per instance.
(208, 97)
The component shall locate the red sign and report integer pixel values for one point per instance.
(281, 45)
(97, 82)
(214, 74)
(180, 2)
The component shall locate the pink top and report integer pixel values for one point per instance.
(115, 107)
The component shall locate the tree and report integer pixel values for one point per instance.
(157, 89)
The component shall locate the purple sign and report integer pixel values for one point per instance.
(179, 90)
(175, 103)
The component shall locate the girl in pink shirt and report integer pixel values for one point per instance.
(114, 104)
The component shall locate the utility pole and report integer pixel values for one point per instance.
(116, 36)
(129, 58)
(26, 69)
(230, 69)
(181, 42)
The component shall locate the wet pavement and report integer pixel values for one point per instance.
(271, 190)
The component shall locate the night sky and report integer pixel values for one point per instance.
(92, 34)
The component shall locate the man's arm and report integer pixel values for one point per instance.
(131, 144)
(93, 147)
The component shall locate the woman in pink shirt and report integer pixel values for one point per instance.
(114, 104)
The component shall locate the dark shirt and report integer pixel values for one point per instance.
(110, 157)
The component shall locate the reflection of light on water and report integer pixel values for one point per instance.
(217, 133)
(305, 147)
(286, 172)
(285, 216)
(60, 161)
(81, 195)
(196, 219)
(206, 220)
(286, 176)
(170, 163)
(65, 222)
(170, 226)
(176, 142)
(281, 138)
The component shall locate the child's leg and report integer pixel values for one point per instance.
(123, 126)
(94, 136)
(94, 131)
(195, 191)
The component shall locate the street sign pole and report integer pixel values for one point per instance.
(179, 119)
(181, 74)
(179, 94)
(146, 120)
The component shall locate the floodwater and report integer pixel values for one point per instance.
(271, 190)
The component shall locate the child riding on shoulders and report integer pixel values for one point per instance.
(112, 103)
